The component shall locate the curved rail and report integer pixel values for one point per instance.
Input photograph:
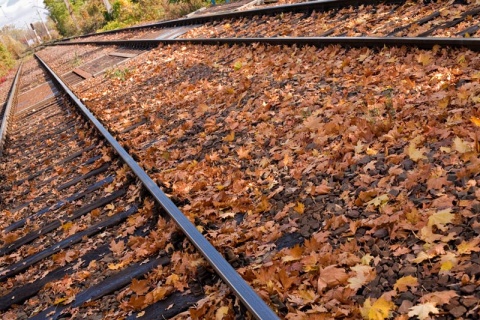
(244, 292)
(321, 5)
(371, 42)
(8, 110)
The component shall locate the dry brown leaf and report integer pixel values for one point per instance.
(331, 276)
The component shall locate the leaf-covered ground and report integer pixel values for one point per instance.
(344, 181)
(366, 20)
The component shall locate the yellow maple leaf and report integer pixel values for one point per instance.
(379, 310)
(422, 256)
(475, 120)
(460, 146)
(67, 226)
(424, 58)
(422, 311)
(414, 153)
(441, 218)
(221, 313)
(447, 262)
(403, 283)
(468, 247)
(379, 201)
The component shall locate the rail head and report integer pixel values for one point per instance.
(8, 109)
(240, 288)
(353, 42)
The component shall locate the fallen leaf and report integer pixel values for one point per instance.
(331, 276)
(422, 311)
(439, 297)
(460, 146)
(468, 247)
(140, 287)
(221, 313)
(230, 137)
(117, 247)
(299, 208)
(416, 154)
(475, 121)
(441, 218)
(403, 283)
(379, 310)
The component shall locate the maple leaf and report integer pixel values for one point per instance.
(414, 153)
(221, 313)
(322, 189)
(140, 287)
(422, 256)
(379, 310)
(364, 274)
(67, 226)
(293, 254)
(243, 153)
(331, 276)
(422, 311)
(440, 218)
(285, 279)
(468, 247)
(460, 146)
(439, 297)
(403, 283)
(299, 208)
(379, 201)
(230, 137)
(117, 247)
(447, 262)
(475, 121)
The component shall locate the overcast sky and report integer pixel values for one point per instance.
(19, 12)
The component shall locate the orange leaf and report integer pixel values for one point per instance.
(475, 121)
(300, 208)
(117, 247)
(230, 137)
(331, 276)
(140, 287)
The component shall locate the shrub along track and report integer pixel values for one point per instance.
(318, 19)
(345, 176)
(77, 226)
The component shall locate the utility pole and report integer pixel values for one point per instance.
(44, 25)
(108, 6)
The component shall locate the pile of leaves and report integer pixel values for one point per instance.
(344, 181)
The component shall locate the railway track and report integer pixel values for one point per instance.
(77, 227)
(319, 165)
(180, 102)
(348, 18)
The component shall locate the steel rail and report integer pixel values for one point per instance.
(8, 110)
(356, 42)
(321, 5)
(242, 290)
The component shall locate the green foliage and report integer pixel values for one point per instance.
(88, 16)
(6, 60)
(120, 74)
